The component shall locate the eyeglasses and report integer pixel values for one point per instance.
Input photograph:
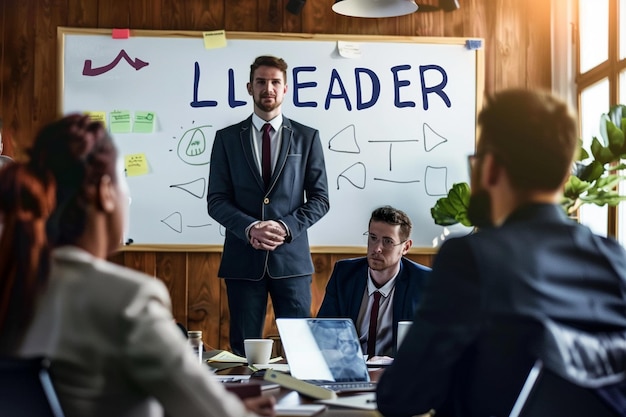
(472, 160)
(388, 243)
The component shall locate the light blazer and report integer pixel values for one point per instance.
(476, 331)
(297, 196)
(347, 284)
(114, 347)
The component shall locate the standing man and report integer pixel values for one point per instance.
(495, 295)
(384, 281)
(267, 186)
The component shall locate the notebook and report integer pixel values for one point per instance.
(325, 352)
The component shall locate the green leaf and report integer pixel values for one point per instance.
(453, 208)
(592, 172)
(615, 138)
(617, 114)
(601, 153)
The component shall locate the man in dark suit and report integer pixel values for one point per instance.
(267, 186)
(482, 319)
(354, 282)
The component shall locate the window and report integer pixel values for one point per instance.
(600, 79)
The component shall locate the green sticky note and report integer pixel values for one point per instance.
(120, 121)
(144, 122)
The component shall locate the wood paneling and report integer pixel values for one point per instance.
(517, 52)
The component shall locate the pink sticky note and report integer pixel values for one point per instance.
(121, 33)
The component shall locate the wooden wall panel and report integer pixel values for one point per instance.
(270, 15)
(18, 97)
(82, 14)
(242, 15)
(517, 53)
(50, 14)
(145, 14)
(293, 23)
(204, 307)
(537, 36)
(171, 268)
(114, 13)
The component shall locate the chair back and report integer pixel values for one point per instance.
(546, 394)
(577, 374)
(26, 388)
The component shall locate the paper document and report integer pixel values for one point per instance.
(299, 410)
(226, 356)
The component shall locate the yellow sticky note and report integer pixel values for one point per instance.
(98, 116)
(120, 121)
(214, 39)
(144, 122)
(136, 164)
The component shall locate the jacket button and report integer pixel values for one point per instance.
(266, 200)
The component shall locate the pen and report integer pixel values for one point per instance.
(370, 401)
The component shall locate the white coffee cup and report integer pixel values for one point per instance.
(258, 351)
(403, 328)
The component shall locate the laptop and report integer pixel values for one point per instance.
(325, 352)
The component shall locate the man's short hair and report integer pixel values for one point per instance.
(532, 134)
(395, 217)
(268, 61)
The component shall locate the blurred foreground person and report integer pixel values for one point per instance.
(528, 285)
(108, 331)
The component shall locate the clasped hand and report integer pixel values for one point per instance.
(267, 235)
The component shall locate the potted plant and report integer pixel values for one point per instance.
(594, 179)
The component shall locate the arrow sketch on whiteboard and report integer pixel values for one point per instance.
(432, 139)
(136, 63)
(344, 141)
(436, 180)
(193, 147)
(174, 221)
(355, 174)
(196, 188)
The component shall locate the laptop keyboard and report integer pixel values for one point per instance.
(349, 386)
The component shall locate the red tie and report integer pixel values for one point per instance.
(371, 336)
(266, 155)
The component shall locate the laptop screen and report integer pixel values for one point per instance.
(323, 349)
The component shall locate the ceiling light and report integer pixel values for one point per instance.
(374, 8)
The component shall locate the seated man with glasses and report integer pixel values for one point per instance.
(381, 289)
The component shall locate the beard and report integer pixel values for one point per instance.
(479, 209)
(268, 108)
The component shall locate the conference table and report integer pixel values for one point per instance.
(288, 397)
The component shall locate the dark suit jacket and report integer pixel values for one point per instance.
(344, 291)
(298, 196)
(475, 333)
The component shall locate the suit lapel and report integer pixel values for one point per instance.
(399, 295)
(245, 137)
(358, 289)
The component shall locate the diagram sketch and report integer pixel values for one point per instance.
(355, 174)
(193, 147)
(174, 221)
(345, 141)
(432, 139)
(196, 188)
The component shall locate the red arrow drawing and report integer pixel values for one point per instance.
(136, 63)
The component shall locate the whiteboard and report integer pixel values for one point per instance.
(396, 115)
